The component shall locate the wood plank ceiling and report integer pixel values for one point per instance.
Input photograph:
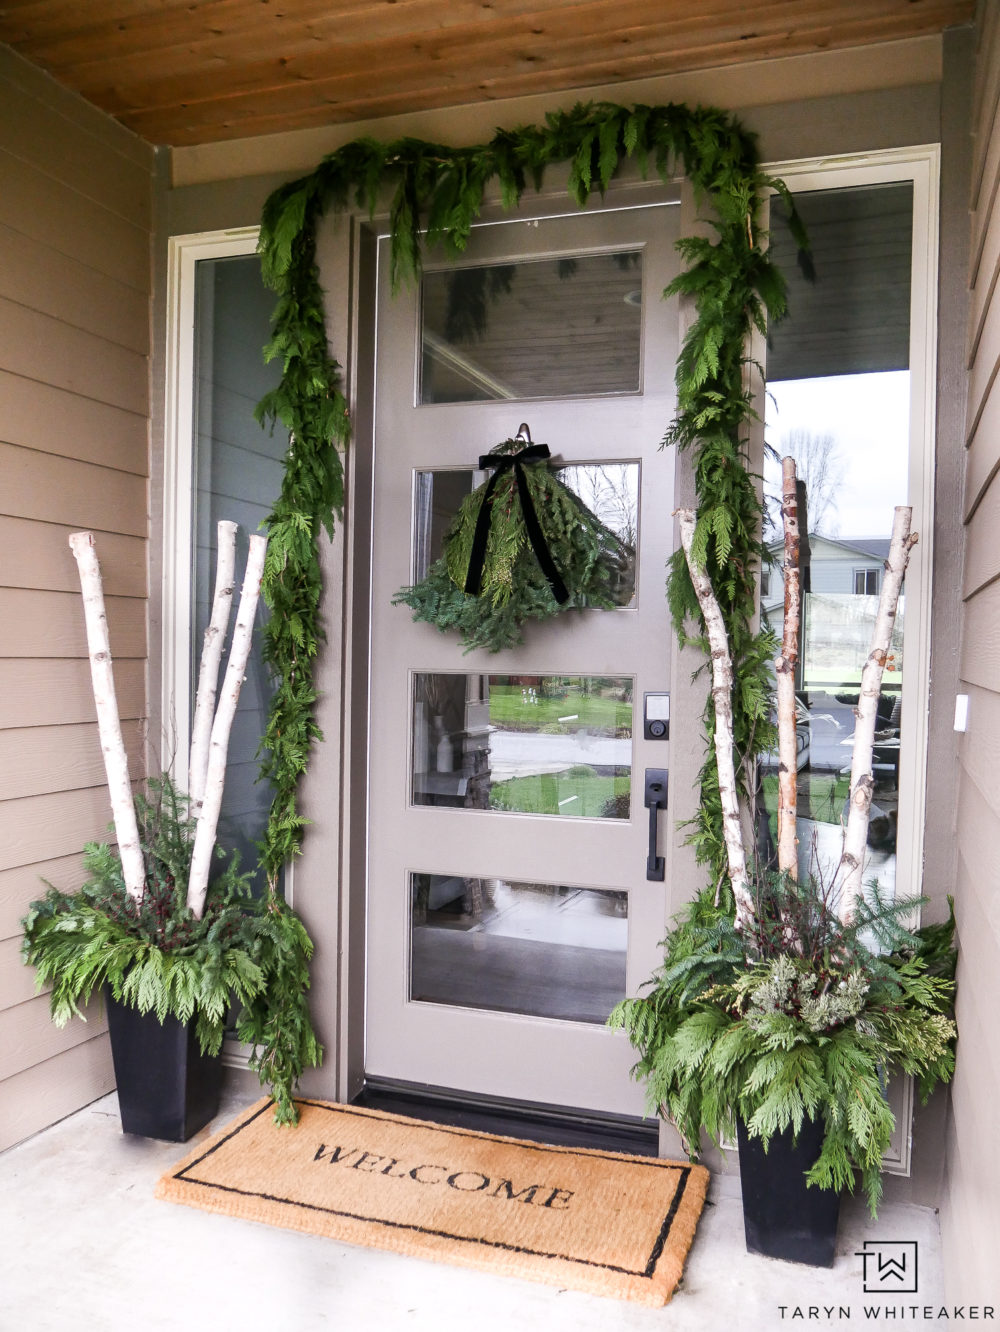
(200, 71)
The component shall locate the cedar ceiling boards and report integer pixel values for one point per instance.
(184, 72)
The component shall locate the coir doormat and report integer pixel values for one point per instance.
(596, 1221)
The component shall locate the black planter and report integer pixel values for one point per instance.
(166, 1087)
(781, 1216)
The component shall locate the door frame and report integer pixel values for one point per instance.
(357, 269)
(327, 882)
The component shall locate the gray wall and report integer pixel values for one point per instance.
(75, 232)
(971, 1212)
(855, 121)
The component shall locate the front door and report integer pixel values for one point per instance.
(509, 906)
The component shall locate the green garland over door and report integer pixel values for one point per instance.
(436, 194)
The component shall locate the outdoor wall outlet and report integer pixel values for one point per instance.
(961, 712)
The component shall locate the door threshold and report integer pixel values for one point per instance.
(512, 1119)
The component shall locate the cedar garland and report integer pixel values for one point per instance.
(436, 193)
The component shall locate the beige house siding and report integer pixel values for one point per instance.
(76, 200)
(973, 1157)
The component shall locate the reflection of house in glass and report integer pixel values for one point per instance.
(841, 580)
(534, 744)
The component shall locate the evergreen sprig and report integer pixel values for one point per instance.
(798, 1020)
(434, 194)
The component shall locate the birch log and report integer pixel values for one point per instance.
(208, 671)
(862, 780)
(722, 698)
(108, 721)
(788, 859)
(239, 652)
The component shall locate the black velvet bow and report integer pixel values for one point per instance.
(502, 462)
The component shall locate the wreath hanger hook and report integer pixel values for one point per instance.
(523, 435)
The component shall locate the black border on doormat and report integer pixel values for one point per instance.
(683, 1172)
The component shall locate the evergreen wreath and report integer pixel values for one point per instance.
(522, 546)
(436, 192)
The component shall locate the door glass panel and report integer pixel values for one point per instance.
(609, 490)
(539, 328)
(839, 402)
(535, 948)
(530, 744)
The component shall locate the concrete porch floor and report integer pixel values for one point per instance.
(84, 1246)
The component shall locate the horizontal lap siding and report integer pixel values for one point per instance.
(76, 203)
(970, 1213)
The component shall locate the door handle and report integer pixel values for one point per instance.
(654, 798)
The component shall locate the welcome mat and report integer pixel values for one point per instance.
(595, 1221)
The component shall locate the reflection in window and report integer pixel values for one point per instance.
(529, 744)
(838, 402)
(539, 328)
(239, 470)
(536, 948)
(866, 581)
(609, 490)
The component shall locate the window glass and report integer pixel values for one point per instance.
(538, 328)
(839, 403)
(542, 949)
(529, 744)
(238, 477)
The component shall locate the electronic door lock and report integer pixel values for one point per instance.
(656, 716)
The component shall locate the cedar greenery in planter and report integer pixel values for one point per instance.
(245, 955)
(150, 922)
(749, 1025)
(798, 1006)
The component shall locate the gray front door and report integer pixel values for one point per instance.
(508, 901)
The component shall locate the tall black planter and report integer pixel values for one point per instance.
(783, 1218)
(166, 1087)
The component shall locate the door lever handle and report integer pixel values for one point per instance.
(655, 798)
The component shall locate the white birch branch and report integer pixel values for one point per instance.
(784, 666)
(722, 698)
(108, 721)
(862, 781)
(239, 652)
(211, 656)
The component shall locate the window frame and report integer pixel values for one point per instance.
(865, 572)
(177, 686)
(919, 165)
